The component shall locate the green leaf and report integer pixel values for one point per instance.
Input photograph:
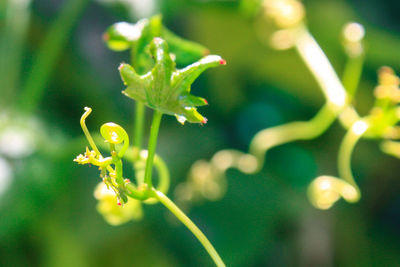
(166, 88)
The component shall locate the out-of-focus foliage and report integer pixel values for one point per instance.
(48, 213)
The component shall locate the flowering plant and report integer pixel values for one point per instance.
(166, 90)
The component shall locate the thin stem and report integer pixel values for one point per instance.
(118, 171)
(135, 193)
(158, 163)
(322, 70)
(155, 125)
(266, 139)
(337, 100)
(48, 53)
(352, 74)
(190, 225)
(112, 147)
(86, 131)
(298, 130)
(346, 150)
(351, 79)
(163, 178)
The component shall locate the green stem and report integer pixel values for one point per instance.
(135, 193)
(298, 130)
(190, 225)
(351, 79)
(321, 69)
(158, 163)
(352, 74)
(336, 92)
(155, 125)
(118, 171)
(46, 57)
(346, 149)
(266, 139)
(86, 131)
(337, 100)
(163, 178)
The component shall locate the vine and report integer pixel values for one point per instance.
(288, 17)
(153, 81)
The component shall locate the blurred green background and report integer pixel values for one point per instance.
(47, 208)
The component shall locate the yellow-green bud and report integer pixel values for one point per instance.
(112, 210)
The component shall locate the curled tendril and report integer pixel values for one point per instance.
(86, 131)
(324, 191)
(381, 123)
(140, 192)
(288, 16)
(208, 179)
(115, 134)
(92, 156)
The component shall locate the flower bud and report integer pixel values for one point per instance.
(120, 35)
(285, 13)
(112, 211)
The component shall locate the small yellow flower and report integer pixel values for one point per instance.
(90, 158)
(86, 158)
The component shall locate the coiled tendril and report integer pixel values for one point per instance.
(115, 134)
